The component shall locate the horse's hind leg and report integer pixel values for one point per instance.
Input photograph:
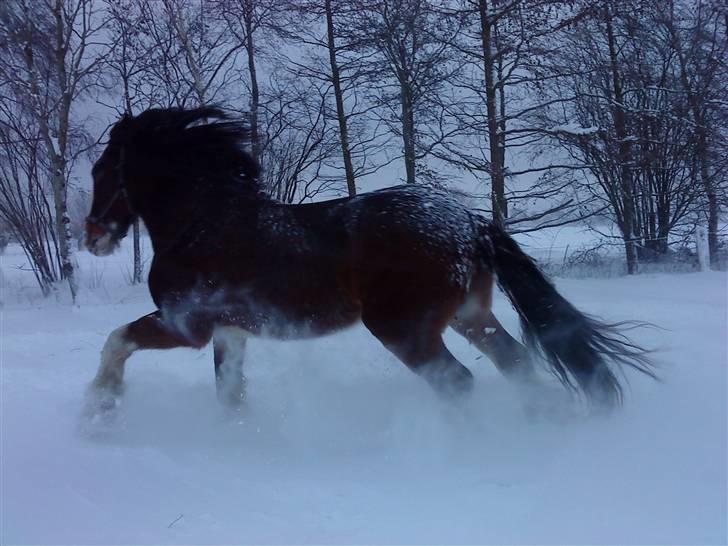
(483, 330)
(148, 332)
(445, 373)
(421, 348)
(229, 349)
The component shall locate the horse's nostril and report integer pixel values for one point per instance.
(90, 239)
(94, 233)
(95, 227)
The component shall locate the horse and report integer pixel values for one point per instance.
(408, 261)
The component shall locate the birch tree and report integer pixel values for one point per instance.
(193, 58)
(51, 55)
(25, 202)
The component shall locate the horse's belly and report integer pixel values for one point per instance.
(291, 318)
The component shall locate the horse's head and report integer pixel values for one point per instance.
(111, 211)
(162, 158)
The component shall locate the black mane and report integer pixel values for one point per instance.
(174, 143)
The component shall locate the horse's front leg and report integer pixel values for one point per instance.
(148, 332)
(229, 348)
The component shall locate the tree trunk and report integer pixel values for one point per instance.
(623, 151)
(711, 197)
(498, 199)
(632, 261)
(702, 156)
(339, 96)
(408, 131)
(696, 108)
(137, 276)
(63, 222)
(54, 122)
(178, 24)
(254, 92)
(502, 117)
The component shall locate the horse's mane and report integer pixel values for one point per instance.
(188, 145)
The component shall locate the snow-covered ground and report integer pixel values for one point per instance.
(340, 443)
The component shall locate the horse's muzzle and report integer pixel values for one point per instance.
(99, 240)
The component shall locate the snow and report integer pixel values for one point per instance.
(574, 129)
(340, 443)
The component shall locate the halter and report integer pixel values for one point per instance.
(121, 190)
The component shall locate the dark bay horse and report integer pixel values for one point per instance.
(407, 261)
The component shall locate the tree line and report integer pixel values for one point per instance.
(558, 110)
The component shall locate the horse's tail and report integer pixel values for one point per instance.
(577, 347)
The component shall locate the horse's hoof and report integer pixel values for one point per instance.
(234, 408)
(101, 404)
(231, 398)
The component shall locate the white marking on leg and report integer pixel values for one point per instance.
(231, 379)
(489, 331)
(116, 351)
(470, 308)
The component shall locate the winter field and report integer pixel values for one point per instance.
(341, 444)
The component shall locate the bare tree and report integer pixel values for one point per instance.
(697, 33)
(50, 56)
(193, 55)
(618, 107)
(667, 191)
(300, 141)
(339, 97)
(252, 22)
(409, 66)
(129, 63)
(319, 29)
(493, 100)
(25, 203)
(597, 131)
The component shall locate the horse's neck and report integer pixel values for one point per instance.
(178, 219)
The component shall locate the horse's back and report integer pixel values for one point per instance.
(413, 247)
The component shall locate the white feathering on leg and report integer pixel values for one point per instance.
(116, 351)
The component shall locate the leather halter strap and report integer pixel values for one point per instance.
(120, 191)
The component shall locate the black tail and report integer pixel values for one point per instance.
(577, 347)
